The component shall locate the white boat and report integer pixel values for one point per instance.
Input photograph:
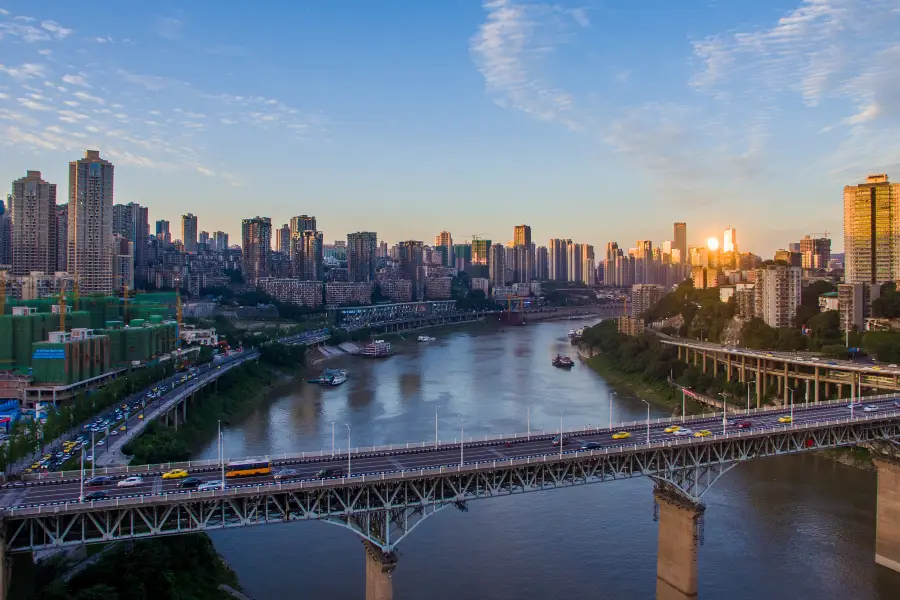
(572, 333)
(378, 349)
(426, 338)
(337, 379)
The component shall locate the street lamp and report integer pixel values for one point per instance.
(436, 427)
(748, 397)
(528, 421)
(792, 405)
(724, 410)
(81, 481)
(222, 455)
(332, 438)
(348, 450)
(682, 405)
(560, 434)
(93, 450)
(461, 442)
(648, 418)
(610, 394)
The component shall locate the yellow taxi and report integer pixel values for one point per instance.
(621, 435)
(140, 416)
(27, 471)
(122, 428)
(175, 474)
(784, 419)
(703, 433)
(672, 428)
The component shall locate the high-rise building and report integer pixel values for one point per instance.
(480, 250)
(362, 248)
(681, 240)
(522, 235)
(301, 224)
(410, 256)
(32, 219)
(558, 259)
(189, 232)
(62, 237)
(443, 243)
(815, 252)
(729, 240)
(91, 181)
(777, 294)
(872, 231)
(256, 243)
(541, 264)
(283, 239)
(312, 256)
(497, 265)
(588, 266)
(644, 296)
(162, 232)
(221, 240)
(123, 263)
(133, 222)
(5, 233)
(574, 262)
(203, 239)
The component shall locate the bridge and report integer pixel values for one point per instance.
(384, 492)
(805, 372)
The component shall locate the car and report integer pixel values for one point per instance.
(785, 419)
(672, 428)
(122, 428)
(897, 403)
(95, 495)
(89, 457)
(330, 472)
(870, 408)
(130, 481)
(590, 445)
(209, 486)
(190, 482)
(175, 474)
(113, 432)
(703, 433)
(555, 441)
(621, 435)
(140, 416)
(855, 405)
(98, 481)
(743, 425)
(285, 474)
(100, 443)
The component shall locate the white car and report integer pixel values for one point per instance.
(684, 431)
(130, 482)
(870, 408)
(209, 486)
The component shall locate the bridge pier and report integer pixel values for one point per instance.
(379, 568)
(887, 515)
(5, 564)
(676, 558)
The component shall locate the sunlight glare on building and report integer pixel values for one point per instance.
(712, 243)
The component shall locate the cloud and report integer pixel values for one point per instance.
(79, 79)
(169, 27)
(33, 105)
(89, 98)
(104, 40)
(56, 30)
(24, 71)
(205, 171)
(151, 83)
(20, 27)
(45, 52)
(21, 138)
(227, 121)
(511, 49)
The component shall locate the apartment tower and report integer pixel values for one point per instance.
(256, 244)
(872, 231)
(189, 232)
(91, 223)
(32, 222)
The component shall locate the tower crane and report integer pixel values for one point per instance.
(62, 309)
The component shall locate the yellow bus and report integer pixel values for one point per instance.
(246, 468)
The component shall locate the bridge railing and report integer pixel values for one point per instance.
(711, 419)
(399, 474)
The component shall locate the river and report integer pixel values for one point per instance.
(792, 527)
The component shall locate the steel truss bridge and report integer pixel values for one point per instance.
(383, 508)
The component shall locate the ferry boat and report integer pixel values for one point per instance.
(378, 349)
(563, 362)
(331, 377)
(426, 338)
(572, 333)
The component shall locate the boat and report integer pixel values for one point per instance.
(572, 333)
(378, 349)
(563, 362)
(330, 377)
(426, 338)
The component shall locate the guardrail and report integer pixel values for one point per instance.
(471, 442)
(400, 474)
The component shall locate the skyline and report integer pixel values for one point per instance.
(413, 125)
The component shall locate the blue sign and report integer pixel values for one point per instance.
(53, 353)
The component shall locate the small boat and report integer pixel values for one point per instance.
(337, 379)
(572, 333)
(330, 377)
(563, 362)
(426, 338)
(378, 349)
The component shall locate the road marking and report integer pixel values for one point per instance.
(394, 462)
(497, 453)
(157, 485)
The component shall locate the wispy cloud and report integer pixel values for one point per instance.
(79, 79)
(169, 27)
(89, 98)
(24, 71)
(21, 27)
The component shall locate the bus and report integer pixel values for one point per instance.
(245, 468)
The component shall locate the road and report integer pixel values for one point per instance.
(448, 455)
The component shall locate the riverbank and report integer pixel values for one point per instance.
(184, 566)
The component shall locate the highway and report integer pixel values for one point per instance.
(808, 359)
(366, 462)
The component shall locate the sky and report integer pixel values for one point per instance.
(595, 120)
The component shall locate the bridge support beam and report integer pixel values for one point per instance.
(676, 559)
(5, 565)
(380, 566)
(887, 515)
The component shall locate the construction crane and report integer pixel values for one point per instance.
(75, 294)
(824, 234)
(62, 310)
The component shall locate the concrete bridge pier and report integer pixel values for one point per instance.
(887, 515)
(380, 566)
(5, 564)
(676, 559)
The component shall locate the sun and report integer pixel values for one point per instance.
(712, 243)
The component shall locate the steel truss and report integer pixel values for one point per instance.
(384, 509)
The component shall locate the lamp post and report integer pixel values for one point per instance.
(648, 418)
(748, 397)
(348, 450)
(528, 421)
(682, 405)
(93, 450)
(724, 410)
(610, 394)
(222, 454)
(792, 405)
(560, 434)
(81, 481)
(332, 438)
(436, 427)
(462, 443)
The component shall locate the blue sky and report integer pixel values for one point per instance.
(595, 120)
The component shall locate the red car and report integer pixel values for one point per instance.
(743, 425)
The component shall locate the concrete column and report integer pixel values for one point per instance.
(743, 369)
(817, 385)
(184, 411)
(704, 361)
(806, 397)
(715, 358)
(887, 514)
(5, 565)
(728, 366)
(676, 558)
(379, 567)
